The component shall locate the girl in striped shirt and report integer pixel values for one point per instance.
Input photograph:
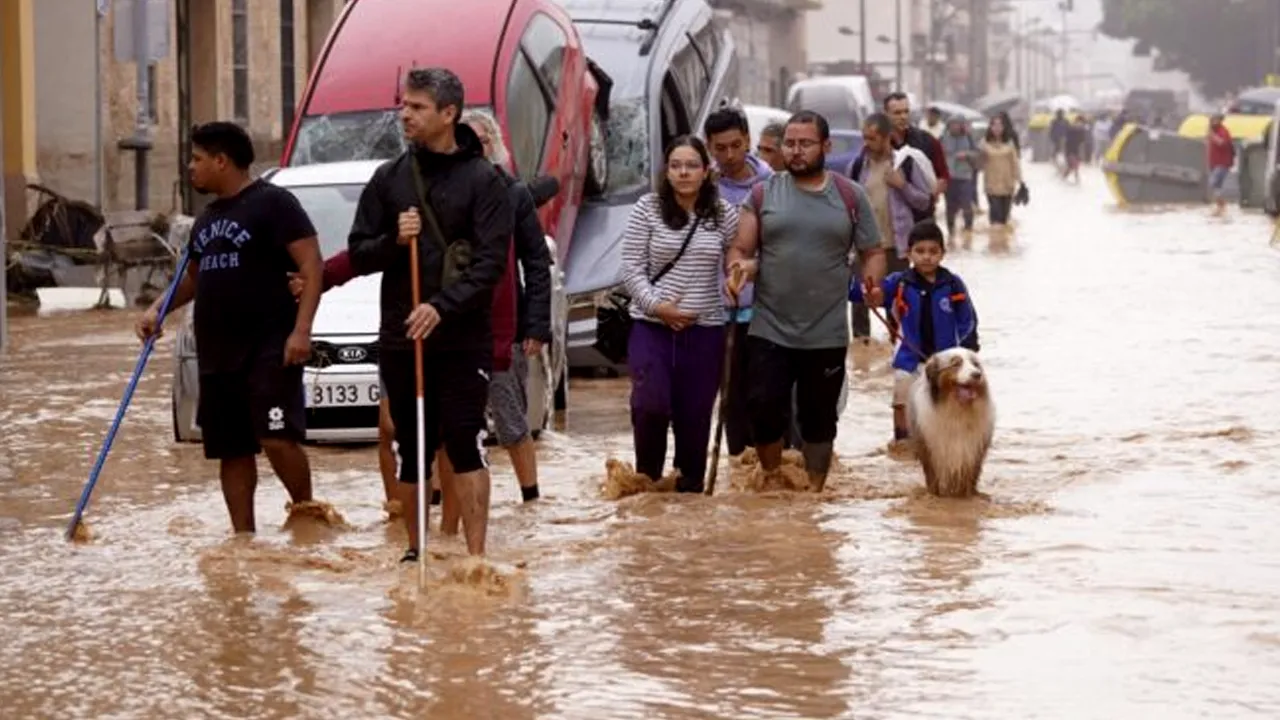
(672, 264)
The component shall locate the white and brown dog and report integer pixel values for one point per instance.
(952, 420)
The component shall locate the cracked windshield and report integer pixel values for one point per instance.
(666, 360)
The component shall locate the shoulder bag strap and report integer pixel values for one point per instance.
(684, 246)
(433, 225)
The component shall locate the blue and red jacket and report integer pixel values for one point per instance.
(931, 316)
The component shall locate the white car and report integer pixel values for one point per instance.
(341, 383)
(759, 116)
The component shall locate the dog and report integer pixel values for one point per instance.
(952, 420)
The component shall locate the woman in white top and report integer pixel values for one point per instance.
(672, 260)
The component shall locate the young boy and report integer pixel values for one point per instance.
(934, 313)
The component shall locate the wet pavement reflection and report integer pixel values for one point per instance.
(1124, 565)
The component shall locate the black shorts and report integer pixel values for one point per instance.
(455, 395)
(263, 400)
(817, 375)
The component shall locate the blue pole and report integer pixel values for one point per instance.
(145, 355)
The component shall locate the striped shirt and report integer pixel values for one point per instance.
(694, 283)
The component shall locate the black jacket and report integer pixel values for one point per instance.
(533, 291)
(471, 202)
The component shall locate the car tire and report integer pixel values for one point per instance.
(597, 176)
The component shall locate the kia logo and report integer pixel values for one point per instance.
(352, 354)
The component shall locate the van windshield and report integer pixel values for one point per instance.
(627, 140)
(343, 137)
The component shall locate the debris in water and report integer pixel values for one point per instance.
(476, 573)
(753, 478)
(621, 480)
(82, 533)
(324, 512)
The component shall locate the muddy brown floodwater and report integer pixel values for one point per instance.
(1127, 564)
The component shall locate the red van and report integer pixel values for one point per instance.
(522, 60)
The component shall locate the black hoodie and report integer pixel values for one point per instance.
(471, 203)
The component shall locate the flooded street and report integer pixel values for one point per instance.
(1127, 564)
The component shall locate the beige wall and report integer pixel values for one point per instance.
(768, 37)
(63, 39)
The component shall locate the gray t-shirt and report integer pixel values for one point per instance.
(806, 241)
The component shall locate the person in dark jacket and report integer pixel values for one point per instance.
(898, 107)
(530, 302)
(445, 196)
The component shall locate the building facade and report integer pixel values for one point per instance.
(772, 44)
(246, 61)
(937, 49)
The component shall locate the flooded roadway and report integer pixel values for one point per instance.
(1126, 566)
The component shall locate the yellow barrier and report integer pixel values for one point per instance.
(1241, 127)
(1112, 155)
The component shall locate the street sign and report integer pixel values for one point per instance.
(157, 35)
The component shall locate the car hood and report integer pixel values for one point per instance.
(594, 262)
(350, 309)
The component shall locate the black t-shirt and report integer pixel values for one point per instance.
(243, 307)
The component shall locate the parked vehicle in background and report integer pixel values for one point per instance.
(976, 120)
(1150, 106)
(758, 116)
(670, 66)
(520, 60)
(341, 379)
(844, 100)
(846, 145)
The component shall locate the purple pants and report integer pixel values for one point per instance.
(675, 377)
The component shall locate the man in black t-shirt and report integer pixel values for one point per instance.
(252, 337)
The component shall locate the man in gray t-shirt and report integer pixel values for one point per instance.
(797, 240)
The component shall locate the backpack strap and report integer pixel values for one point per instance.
(757, 197)
(848, 193)
(855, 170)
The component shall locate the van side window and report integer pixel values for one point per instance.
(545, 42)
(691, 76)
(533, 87)
(675, 114)
(528, 115)
(708, 41)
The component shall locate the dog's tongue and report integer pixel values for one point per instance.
(965, 394)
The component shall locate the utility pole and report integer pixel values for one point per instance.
(4, 291)
(930, 48)
(140, 143)
(862, 33)
(897, 43)
(100, 11)
(1065, 6)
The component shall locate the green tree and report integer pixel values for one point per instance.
(1224, 45)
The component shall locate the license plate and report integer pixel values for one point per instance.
(340, 394)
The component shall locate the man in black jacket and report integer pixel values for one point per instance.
(445, 196)
(898, 107)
